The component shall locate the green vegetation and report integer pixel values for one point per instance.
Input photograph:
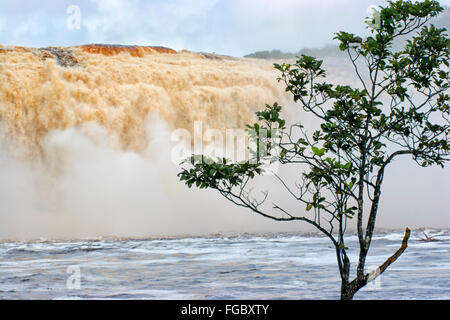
(400, 109)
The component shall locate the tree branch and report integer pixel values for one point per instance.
(372, 275)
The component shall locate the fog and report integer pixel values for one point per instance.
(72, 166)
(86, 189)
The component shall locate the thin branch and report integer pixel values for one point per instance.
(375, 273)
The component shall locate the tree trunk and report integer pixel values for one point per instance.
(346, 292)
(348, 289)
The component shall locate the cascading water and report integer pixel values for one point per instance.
(86, 142)
(86, 138)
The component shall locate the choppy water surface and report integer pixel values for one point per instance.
(282, 266)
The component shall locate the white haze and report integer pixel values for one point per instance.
(86, 187)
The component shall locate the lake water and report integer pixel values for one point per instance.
(275, 266)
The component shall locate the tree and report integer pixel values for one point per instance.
(400, 108)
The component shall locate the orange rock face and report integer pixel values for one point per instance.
(135, 51)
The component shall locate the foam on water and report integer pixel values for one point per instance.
(281, 266)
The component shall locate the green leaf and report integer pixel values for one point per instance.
(318, 152)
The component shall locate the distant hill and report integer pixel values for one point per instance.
(330, 50)
(442, 21)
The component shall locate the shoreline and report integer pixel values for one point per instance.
(212, 236)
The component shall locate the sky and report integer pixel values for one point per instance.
(232, 27)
